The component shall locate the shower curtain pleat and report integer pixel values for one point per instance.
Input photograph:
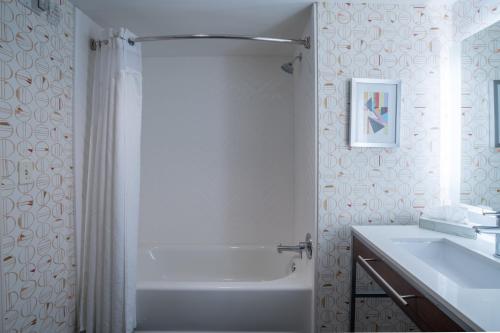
(111, 191)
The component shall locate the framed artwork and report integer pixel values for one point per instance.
(375, 113)
(495, 115)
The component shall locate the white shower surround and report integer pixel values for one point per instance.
(229, 274)
(217, 151)
(228, 162)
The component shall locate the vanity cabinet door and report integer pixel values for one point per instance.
(426, 315)
(438, 321)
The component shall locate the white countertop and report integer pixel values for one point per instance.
(477, 308)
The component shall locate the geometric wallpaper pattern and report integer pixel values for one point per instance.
(471, 16)
(480, 184)
(361, 186)
(357, 186)
(36, 169)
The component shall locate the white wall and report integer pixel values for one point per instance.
(305, 188)
(217, 151)
(304, 83)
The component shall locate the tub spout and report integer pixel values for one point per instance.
(303, 246)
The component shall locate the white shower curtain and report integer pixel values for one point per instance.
(107, 281)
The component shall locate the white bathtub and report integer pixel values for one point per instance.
(223, 288)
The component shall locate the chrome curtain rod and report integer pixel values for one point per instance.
(306, 42)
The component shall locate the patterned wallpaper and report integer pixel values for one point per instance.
(36, 184)
(480, 184)
(470, 16)
(379, 186)
(357, 186)
(374, 186)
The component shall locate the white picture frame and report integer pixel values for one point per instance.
(375, 113)
(495, 114)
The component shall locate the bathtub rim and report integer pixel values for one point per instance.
(293, 281)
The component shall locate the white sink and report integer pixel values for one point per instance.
(459, 264)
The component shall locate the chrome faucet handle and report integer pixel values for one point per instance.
(303, 246)
(497, 214)
(486, 229)
(495, 230)
(307, 246)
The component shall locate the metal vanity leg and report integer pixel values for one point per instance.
(352, 320)
(354, 294)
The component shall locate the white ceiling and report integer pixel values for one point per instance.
(270, 18)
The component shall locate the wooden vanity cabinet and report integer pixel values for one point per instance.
(426, 315)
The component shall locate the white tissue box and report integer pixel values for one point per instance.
(452, 228)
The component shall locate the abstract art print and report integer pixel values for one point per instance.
(375, 113)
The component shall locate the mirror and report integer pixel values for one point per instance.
(480, 113)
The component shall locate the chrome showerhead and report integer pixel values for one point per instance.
(288, 67)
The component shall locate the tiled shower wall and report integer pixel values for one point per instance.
(379, 186)
(36, 184)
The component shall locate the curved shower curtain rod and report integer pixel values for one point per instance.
(306, 42)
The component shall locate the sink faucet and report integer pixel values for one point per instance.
(492, 230)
